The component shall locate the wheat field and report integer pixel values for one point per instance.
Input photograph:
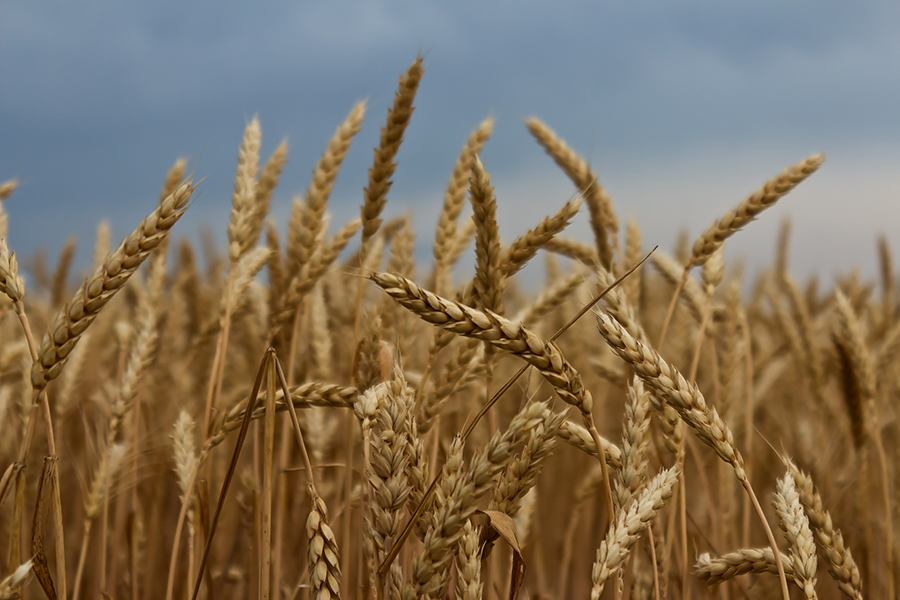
(317, 414)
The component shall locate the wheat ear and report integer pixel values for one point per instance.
(628, 527)
(468, 564)
(526, 246)
(455, 196)
(74, 318)
(322, 553)
(766, 196)
(11, 585)
(668, 384)
(243, 199)
(494, 329)
(307, 216)
(375, 195)
(712, 570)
(830, 541)
(6, 190)
(795, 526)
(604, 223)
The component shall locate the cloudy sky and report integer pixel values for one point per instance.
(683, 108)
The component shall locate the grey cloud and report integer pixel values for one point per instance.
(98, 99)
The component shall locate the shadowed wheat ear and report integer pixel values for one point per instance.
(76, 316)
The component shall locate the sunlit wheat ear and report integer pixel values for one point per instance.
(829, 539)
(632, 475)
(174, 177)
(716, 569)
(628, 527)
(766, 196)
(682, 395)
(604, 223)
(184, 449)
(521, 474)
(390, 453)
(795, 526)
(458, 491)
(85, 305)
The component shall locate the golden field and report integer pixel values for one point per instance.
(319, 414)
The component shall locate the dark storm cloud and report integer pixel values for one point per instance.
(99, 98)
